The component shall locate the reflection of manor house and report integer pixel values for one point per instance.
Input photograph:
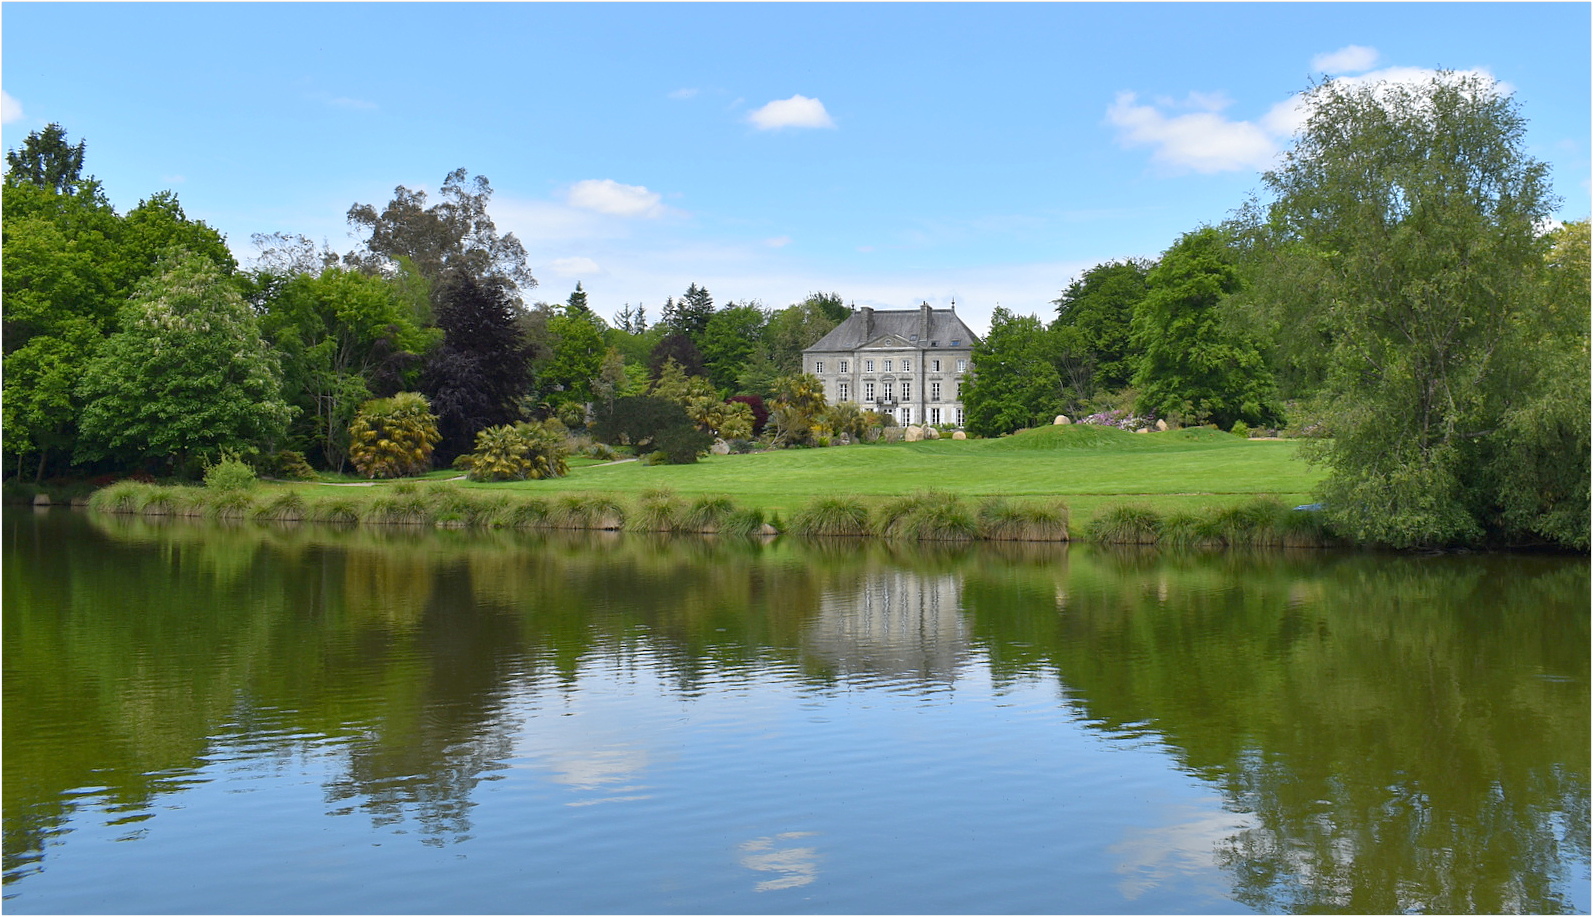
(897, 623)
(908, 363)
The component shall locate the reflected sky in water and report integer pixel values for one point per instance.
(210, 719)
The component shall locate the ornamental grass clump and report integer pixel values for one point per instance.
(719, 515)
(1002, 520)
(832, 516)
(393, 437)
(1253, 524)
(1187, 530)
(228, 504)
(657, 510)
(526, 514)
(1126, 524)
(121, 497)
(587, 511)
(398, 507)
(451, 506)
(337, 510)
(284, 507)
(927, 516)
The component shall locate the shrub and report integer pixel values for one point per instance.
(516, 453)
(288, 465)
(1000, 520)
(1240, 428)
(845, 516)
(1126, 524)
(393, 437)
(231, 473)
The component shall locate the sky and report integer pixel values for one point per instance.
(980, 154)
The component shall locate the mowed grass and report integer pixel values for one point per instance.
(1086, 467)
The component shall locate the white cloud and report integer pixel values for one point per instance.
(778, 242)
(683, 94)
(1348, 59)
(10, 109)
(1201, 141)
(609, 197)
(574, 267)
(797, 111)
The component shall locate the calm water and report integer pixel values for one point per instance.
(208, 719)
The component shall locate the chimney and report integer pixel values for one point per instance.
(868, 324)
(924, 324)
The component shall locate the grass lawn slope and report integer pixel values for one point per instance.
(1087, 467)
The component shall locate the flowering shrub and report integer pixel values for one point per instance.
(1122, 420)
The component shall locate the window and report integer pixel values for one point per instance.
(868, 390)
(818, 366)
(907, 367)
(868, 366)
(934, 415)
(907, 390)
(844, 392)
(936, 364)
(843, 366)
(962, 366)
(888, 391)
(887, 366)
(959, 417)
(956, 391)
(906, 415)
(934, 390)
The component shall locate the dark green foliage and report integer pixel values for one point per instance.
(187, 376)
(47, 161)
(1094, 348)
(1196, 365)
(679, 347)
(691, 314)
(1446, 391)
(728, 342)
(477, 376)
(652, 425)
(1014, 384)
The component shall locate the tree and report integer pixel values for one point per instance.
(576, 362)
(799, 410)
(1420, 207)
(1197, 364)
(680, 348)
(1014, 384)
(524, 451)
(393, 437)
(187, 377)
(455, 234)
(47, 161)
(728, 341)
(345, 338)
(1094, 348)
(652, 424)
(691, 314)
(476, 377)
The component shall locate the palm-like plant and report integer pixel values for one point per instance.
(393, 437)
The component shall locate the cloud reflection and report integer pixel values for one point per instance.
(796, 866)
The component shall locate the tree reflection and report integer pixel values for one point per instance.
(1401, 733)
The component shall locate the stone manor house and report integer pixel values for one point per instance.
(909, 363)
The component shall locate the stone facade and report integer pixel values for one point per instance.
(908, 363)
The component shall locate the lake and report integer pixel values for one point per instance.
(202, 718)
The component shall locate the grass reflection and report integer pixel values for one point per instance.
(1398, 733)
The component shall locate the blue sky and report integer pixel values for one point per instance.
(892, 153)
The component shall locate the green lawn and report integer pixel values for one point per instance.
(1084, 467)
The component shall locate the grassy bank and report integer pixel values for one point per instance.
(1180, 488)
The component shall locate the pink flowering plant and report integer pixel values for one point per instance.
(1121, 419)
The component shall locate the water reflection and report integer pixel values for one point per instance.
(795, 866)
(1381, 734)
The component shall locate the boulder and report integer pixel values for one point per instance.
(931, 433)
(959, 435)
(1161, 426)
(720, 447)
(1061, 421)
(41, 499)
(1143, 430)
(914, 434)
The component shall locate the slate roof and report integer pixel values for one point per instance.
(908, 324)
